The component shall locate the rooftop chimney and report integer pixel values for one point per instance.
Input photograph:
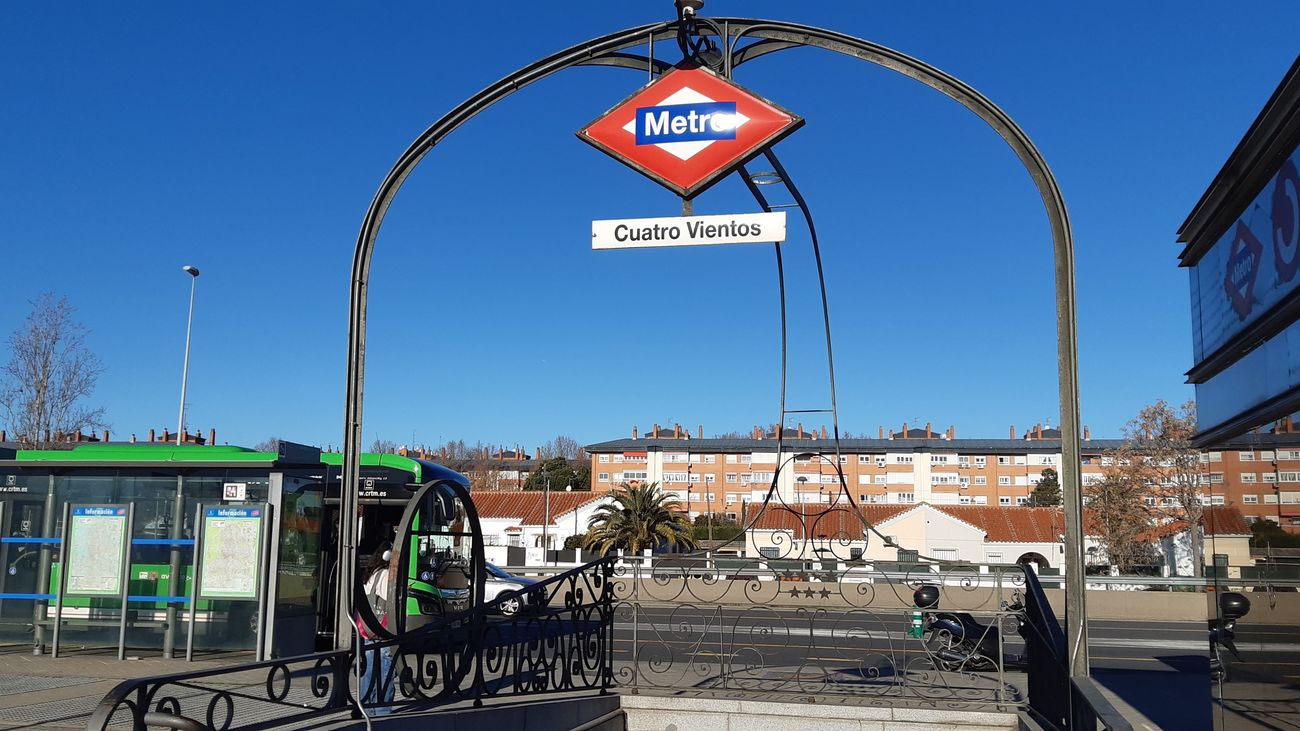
(952, 433)
(882, 432)
(655, 434)
(1087, 436)
(677, 431)
(823, 431)
(1038, 431)
(212, 437)
(1013, 431)
(904, 434)
(699, 430)
(801, 430)
(3, 436)
(927, 430)
(634, 433)
(151, 435)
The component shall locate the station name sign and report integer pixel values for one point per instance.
(631, 233)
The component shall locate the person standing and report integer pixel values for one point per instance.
(377, 684)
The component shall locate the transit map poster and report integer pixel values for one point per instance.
(96, 552)
(229, 567)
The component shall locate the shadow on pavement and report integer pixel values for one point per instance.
(1174, 696)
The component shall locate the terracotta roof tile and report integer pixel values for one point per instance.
(529, 508)
(824, 520)
(1006, 524)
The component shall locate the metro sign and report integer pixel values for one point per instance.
(689, 128)
(1242, 270)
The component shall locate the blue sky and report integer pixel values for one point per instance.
(248, 138)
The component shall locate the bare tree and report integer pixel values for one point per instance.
(1158, 453)
(383, 446)
(50, 373)
(270, 444)
(561, 446)
(1118, 518)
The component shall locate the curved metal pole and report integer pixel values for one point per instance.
(796, 35)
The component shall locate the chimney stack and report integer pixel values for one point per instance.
(927, 430)
(882, 432)
(1013, 431)
(212, 437)
(699, 430)
(105, 437)
(801, 430)
(655, 434)
(823, 431)
(151, 435)
(1087, 436)
(1286, 424)
(3, 435)
(1038, 431)
(677, 431)
(904, 434)
(756, 433)
(634, 433)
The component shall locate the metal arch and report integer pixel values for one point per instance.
(795, 35)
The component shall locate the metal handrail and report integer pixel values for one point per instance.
(1089, 698)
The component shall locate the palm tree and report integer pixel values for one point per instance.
(640, 517)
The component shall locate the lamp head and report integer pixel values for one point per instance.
(192, 271)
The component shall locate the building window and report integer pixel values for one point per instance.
(802, 460)
(981, 480)
(731, 459)
(1248, 477)
(844, 459)
(710, 458)
(1004, 480)
(963, 460)
(881, 479)
(1149, 501)
(829, 479)
(938, 459)
(628, 476)
(1250, 499)
(902, 459)
(1216, 478)
(980, 462)
(603, 477)
(864, 459)
(945, 554)
(604, 458)
(1004, 500)
(1269, 477)
(964, 500)
(1285, 454)
(1216, 456)
(981, 500)
(708, 479)
(864, 479)
(906, 497)
(880, 461)
(1022, 500)
(995, 558)
(1246, 456)
(1004, 460)
(677, 457)
(1288, 477)
(731, 516)
(731, 477)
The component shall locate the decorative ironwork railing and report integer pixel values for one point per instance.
(561, 641)
(812, 629)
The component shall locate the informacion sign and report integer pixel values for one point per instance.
(232, 550)
(747, 228)
(96, 550)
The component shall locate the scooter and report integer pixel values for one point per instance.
(958, 642)
(1223, 630)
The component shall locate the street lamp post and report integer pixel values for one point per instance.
(546, 521)
(185, 369)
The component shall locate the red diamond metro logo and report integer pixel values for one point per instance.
(689, 128)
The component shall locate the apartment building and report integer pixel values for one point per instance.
(1259, 473)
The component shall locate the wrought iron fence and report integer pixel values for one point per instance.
(561, 642)
(812, 628)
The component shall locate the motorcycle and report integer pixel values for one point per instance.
(1223, 632)
(956, 641)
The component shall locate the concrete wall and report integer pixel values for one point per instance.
(657, 713)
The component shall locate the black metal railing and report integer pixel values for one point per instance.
(560, 641)
(812, 629)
